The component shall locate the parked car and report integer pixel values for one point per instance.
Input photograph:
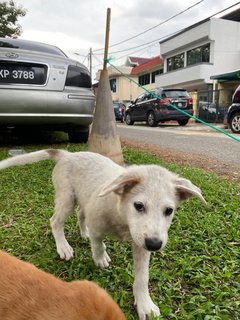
(210, 112)
(233, 114)
(119, 109)
(147, 107)
(41, 87)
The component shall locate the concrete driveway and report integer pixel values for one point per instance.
(193, 144)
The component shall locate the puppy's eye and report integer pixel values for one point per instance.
(139, 206)
(168, 211)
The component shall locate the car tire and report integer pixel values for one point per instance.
(78, 135)
(128, 120)
(235, 123)
(183, 122)
(151, 119)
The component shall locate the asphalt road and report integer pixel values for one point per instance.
(194, 138)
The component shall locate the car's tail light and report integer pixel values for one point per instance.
(164, 101)
(120, 109)
(190, 101)
(78, 77)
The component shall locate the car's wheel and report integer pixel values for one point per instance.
(151, 119)
(183, 122)
(235, 123)
(128, 120)
(78, 135)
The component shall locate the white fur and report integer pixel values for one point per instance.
(107, 194)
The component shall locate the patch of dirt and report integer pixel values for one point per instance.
(224, 170)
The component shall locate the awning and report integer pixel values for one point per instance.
(230, 76)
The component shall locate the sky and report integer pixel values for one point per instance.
(75, 26)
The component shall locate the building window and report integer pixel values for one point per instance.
(175, 62)
(155, 73)
(198, 55)
(144, 79)
(113, 85)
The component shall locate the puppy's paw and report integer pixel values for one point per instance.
(147, 309)
(64, 250)
(84, 233)
(104, 261)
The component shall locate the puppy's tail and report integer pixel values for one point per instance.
(51, 154)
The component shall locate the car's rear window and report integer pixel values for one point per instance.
(175, 94)
(32, 46)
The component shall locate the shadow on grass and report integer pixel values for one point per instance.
(31, 136)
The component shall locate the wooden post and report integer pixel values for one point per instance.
(103, 137)
(107, 38)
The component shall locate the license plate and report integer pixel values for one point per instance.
(22, 73)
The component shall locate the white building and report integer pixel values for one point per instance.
(200, 51)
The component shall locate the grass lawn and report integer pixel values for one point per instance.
(197, 276)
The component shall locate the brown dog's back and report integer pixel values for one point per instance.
(27, 293)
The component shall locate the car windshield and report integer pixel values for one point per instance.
(30, 45)
(175, 94)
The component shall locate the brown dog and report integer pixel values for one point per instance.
(27, 293)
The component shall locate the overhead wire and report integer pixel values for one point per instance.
(148, 44)
(85, 58)
(169, 35)
(149, 29)
(134, 52)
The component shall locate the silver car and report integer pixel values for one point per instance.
(41, 87)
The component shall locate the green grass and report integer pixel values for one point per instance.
(197, 276)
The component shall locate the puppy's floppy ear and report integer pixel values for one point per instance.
(186, 189)
(122, 184)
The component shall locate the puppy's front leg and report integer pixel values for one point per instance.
(82, 223)
(143, 301)
(100, 256)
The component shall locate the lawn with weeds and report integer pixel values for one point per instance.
(197, 276)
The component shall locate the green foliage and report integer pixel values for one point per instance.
(9, 14)
(195, 277)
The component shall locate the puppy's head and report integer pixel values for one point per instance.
(149, 196)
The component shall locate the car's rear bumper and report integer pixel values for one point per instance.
(119, 116)
(32, 107)
(174, 115)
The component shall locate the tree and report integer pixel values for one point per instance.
(9, 14)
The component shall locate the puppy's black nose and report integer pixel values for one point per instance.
(153, 244)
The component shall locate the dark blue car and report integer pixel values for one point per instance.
(119, 109)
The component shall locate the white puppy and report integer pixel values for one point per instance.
(134, 203)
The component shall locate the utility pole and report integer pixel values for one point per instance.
(90, 62)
